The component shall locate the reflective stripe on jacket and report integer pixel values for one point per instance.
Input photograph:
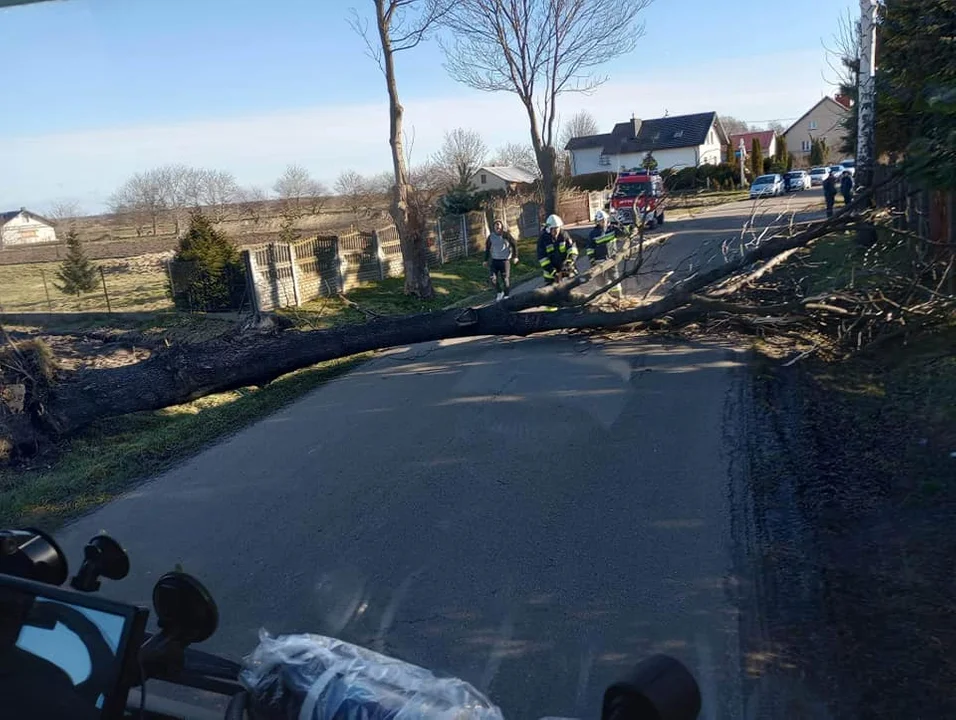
(553, 252)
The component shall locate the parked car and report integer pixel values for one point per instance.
(818, 175)
(836, 171)
(766, 186)
(849, 166)
(798, 179)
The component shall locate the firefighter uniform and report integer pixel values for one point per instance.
(554, 252)
(602, 245)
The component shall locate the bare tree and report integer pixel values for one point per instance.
(354, 188)
(218, 190)
(252, 201)
(402, 25)
(733, 126)
(778, 127)
(539, 50)
(62, 212)
(581, 124)
(381, 184)
(293, 187)
(843, 52)
(317, 195)
(517, 155)
(459, 158)
(142, 197)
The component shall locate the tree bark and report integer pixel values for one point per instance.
(411, 231)
(183, 373)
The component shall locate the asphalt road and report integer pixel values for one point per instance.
(532, 515)
(698, 241)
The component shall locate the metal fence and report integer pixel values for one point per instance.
(122, 285)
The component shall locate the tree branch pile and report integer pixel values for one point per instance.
(760, 284)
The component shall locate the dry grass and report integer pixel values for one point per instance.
(132, 283)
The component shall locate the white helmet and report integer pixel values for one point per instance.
(554, 221)
(600, 216)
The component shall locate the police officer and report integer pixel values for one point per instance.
(556, 249)
(602, 245)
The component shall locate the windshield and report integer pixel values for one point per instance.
(819, 171)
(796, 174)
(255, 320)
(632, 189)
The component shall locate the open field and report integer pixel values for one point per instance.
(136, 283)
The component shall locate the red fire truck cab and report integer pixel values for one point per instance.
(638, 194)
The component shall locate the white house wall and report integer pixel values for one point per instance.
(588, 160)
(585, 161)
(492, 182)
(676, 158)
(24, 230)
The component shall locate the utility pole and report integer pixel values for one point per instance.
(866, 96)
(743, 152)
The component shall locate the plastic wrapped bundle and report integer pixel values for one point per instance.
(312, 677)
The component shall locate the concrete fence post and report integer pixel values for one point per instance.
(296, 292)
(340, 264)
(379, 254)
(252, 284)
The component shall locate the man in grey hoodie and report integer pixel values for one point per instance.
(501, 251)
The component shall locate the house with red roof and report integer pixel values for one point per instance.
(766, 138)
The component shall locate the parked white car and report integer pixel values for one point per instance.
(849, 166)
(766, 186)
(818, 175)
(836, 171)
(798, 179)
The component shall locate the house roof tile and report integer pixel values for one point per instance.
(664, 133)
(764, 136)
(509, 173)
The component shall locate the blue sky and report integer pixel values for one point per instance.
(98, 89)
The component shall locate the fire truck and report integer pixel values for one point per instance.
(638, 194)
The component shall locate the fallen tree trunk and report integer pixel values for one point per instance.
(75, 399)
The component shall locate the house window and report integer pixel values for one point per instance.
(484, 179)
(813, 124)
(805, 146)
(604, 160)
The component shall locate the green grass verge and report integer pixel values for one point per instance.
(100, 463)
(455, 283)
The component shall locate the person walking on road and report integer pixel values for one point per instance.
(501, 252)
(602, 245)
(829, 193)
(846, 187)
(556, 249)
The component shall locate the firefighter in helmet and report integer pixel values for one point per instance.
(556, 249)
(602, 245)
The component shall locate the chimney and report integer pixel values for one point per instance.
(636, 122)
(843, 100)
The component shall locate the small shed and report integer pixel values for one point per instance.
(502, 177)
(22, 227)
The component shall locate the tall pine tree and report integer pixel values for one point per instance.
(76, 275)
